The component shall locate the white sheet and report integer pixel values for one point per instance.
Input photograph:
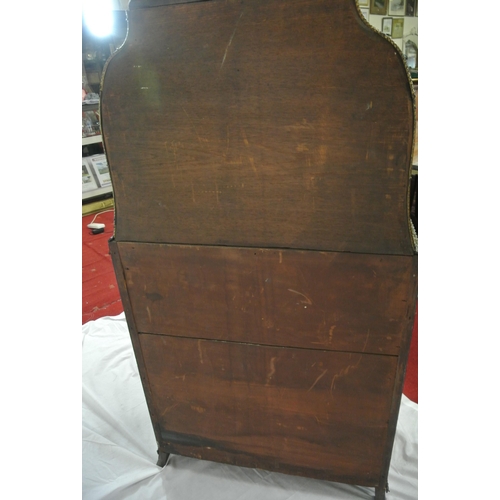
(119, 448)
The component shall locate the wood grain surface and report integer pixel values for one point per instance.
(259, 123)
(321, 300)
(291, 410)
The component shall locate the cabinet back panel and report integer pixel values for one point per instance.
(259, 123)
(321, 300)
(322, 412)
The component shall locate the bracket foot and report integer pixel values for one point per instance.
(162, 458)
(381, 491)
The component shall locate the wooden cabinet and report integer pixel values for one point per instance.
(260, 153)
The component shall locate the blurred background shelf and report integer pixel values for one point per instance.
(94, 139)
(97, 193)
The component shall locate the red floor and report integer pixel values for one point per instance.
(100, 295)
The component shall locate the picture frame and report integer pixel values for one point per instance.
(410, 8)
(398, 27)
(387, 26)
(364, 3)
(378, 7)
(411, 54)
(365, 13)
(396, 8)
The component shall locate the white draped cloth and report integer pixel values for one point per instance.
(119, 447)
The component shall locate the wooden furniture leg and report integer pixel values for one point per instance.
(380, 492)
(162, 458)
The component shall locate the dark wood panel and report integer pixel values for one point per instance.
(134, 337)
(259, 123)
(322, 414)
(322, 300)
(141, 4)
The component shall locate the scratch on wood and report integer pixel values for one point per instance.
(336, 376)
(317, 380)
(250, 159)
(230, 41)
(149, 313)
(366, 340)
(199, 409)
(318, 420)
(281, 257)
(323, 154)
(307, 301)
(272, 370)
(199, 351)
(345, 371)
(217, 192)
(245, 139)
(300, 126)
(330, 333)
(169, 408)
(200, 139)
(174, 150)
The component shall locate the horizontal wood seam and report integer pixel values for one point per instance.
(267, 345)
(264, 248)
(135, 5)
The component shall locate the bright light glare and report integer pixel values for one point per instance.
(98, 16)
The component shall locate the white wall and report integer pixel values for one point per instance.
(120, 4)
(409, 32)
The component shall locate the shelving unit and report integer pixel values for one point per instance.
(95, 52)
(91, 140)
(88, 171)
(97, 192)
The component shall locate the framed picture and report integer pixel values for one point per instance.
(364, 3)
(397, 28)
(365, 12)
(411, 54)
(378, 7)
(397, 7)
(387, 26)
(410, 8)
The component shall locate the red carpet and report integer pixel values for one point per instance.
(100, 295)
